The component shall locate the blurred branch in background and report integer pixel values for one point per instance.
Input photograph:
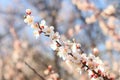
(41, 77)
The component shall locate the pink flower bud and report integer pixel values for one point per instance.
(28, 11)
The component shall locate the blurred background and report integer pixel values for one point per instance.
(93, 23)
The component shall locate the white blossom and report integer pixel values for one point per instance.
(29, 19)
(91, 56)
(101, 68)
(43, 23)
(48, 30)
(54, 45)
(83, 56)
(55, 36)
(63, 51)
(74, 48)
(90, 72)
(35, 26)
(36, 33)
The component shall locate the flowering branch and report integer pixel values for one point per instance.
(69, 51)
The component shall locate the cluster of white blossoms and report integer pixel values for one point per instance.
(69, 51)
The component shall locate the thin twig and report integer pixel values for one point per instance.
(35, 71)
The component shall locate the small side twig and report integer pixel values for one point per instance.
(35, 71)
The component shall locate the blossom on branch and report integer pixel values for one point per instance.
(28, 19)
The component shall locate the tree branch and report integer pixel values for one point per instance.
(40, 76)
